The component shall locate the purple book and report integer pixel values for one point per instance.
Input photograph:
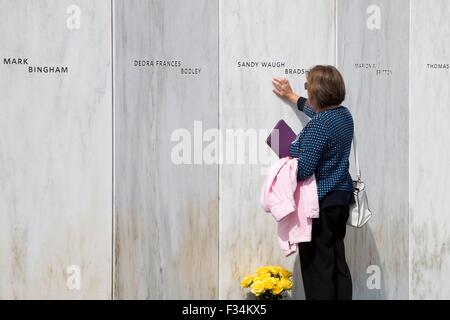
(280, 139)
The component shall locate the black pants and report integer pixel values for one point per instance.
(325, 272)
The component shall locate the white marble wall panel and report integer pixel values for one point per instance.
(429, 155)
(170, 240)
(166, 226)
(55, 150)
(295, 35)
(373, 39)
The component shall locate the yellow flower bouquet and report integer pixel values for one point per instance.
(269, 282)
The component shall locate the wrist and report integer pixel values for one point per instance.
(292, 97)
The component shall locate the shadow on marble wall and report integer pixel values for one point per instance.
(298, 293)
(359, 275)
(370, 255)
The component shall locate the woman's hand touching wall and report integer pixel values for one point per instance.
(283, 90)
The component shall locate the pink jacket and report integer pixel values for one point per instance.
(292, 204)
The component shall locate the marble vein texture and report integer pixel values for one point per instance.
(429, 155)
(166, 230)
(374, 63)
(170, 239)
(55, 152)
(299, 34)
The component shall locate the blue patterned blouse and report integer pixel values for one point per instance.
(323, 148)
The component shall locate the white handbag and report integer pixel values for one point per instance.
(359, 211)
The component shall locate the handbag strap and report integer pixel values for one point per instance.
(355, 151)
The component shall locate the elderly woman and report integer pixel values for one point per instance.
(323, 149)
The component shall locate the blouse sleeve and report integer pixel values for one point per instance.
(303, 105)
